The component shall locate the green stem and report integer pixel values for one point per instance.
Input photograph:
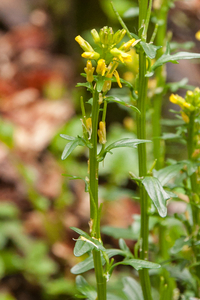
(162, 14)
(141, 134)
(94, 212)
(195, 190)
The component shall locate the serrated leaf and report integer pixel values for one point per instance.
(166, 174)
(150, 49)
(157, 194)
(81, 247)
(167, 57)
(71, 146)
(117, 100)
(138, 264)
(132, 289)
(85, 289)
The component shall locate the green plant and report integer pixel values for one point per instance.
(153, 185)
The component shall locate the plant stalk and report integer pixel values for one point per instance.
(141, 134)
(94, 205)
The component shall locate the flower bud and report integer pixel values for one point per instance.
(122, 56)
(118, 36)
(91, 55)
(100, 98)
(107, 86)
(84, 44)
(176, 99)
(102, 132)
(95, 36)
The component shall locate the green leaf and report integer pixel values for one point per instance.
(180, 243)
(138, 264)
(157, 194)
(126, 142)
(166, 174)
(71, 146)
(150, 49)
(81, 247)
(167, 57)
(117, 233)
(67, 137)
(100, 82)
(88, 239)
(85, 289)
(59, 286)
(83, 266)
(117, 100)
(132, 289)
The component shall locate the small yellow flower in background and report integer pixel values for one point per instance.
(185, 117)
(102, 132)
(101, 67)
(89, 70)
(197, 35)
(176, 99)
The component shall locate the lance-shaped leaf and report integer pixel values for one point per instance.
(157, 194)
(126, 142)
(132, 289)
(85, 289)
(138, 264)
(71, 146)
(81, 247)
(117, 100)
(167, 57)
(150, 49)
(166, 174)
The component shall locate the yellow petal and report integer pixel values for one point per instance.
(116, 74)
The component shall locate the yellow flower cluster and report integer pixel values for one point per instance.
(108, 55)
(189, 104)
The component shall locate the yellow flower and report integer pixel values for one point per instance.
(176, 99)
(122, 56)
(102, 132)
(197, 35)
(90, 55)
(185, 117)
(84, 44)
(101, 67)
(126, 47)
(116, 74)
(89, 127)
(89, 70)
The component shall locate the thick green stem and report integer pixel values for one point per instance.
(162, 13)
(94, 214)
(141, 134)
(195, 190)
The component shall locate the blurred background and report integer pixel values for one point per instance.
(40, 64)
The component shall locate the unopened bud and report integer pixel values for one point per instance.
(95, 36)
(84, 44)
(118, 36)
(100, 98)
(90, 55)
